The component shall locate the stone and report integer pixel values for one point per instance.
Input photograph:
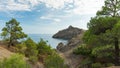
(60, 46)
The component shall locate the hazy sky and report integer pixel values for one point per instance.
(48, 16)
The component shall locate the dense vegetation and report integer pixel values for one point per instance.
(54, 61)
(101, 40)
(15, 61)
(34, 52)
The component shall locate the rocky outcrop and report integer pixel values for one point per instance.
(60, 46)
(71, 59)
(66, 51)
(74, 42)
(68, 33)
(74, 35)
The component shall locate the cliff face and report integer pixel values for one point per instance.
(68, 33)
(74, 36)
(74, 42)
(66, 51)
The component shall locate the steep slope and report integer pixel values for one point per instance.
(4, 53)
(66, 51)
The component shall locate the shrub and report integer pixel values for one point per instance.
(54, 61)
(20, 48)
(82, 50)
(33, 59)
(109, 64)
(96, 65)
(15, 61)
(43, 48)
(31, 50)
(103, 51)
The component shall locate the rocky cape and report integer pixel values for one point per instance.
(66, 51)
(74, 36)
(68, 33)
(71, 59)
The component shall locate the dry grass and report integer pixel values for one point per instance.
(4, 53)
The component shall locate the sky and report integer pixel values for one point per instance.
(48, 16)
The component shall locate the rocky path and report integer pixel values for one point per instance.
(72, 60)
(114, 67)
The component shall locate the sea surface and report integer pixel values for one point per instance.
(47, 37)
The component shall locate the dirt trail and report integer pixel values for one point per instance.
(72, 60)
(4, 53)
(114, 67)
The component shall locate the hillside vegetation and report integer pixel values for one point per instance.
(97, 47)
(29, 52)
(101, 40)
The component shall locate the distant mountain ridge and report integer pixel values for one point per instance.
(68, 33)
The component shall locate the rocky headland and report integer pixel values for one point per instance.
(68, 33)
(72, 34)
(74, 37)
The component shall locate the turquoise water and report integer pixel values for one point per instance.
(47, 37)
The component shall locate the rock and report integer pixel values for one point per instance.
(74, 36)
(66, 51)
(74, 42)
(60, 46)
(68, 33)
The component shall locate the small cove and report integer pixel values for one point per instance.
(47, 37)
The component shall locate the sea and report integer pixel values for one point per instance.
(48, 38)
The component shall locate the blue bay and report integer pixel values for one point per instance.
(47, 37)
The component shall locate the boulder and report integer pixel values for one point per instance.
(60, 46)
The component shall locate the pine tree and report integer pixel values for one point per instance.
(12, 32)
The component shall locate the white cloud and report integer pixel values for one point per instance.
(79, 6)
(45, 17)
(86, 7)
(56, 4)
(27, 5)
(50, 17)
(6, 5)
(57, 20)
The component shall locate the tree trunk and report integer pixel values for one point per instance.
(10, 43)
(116, 51)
